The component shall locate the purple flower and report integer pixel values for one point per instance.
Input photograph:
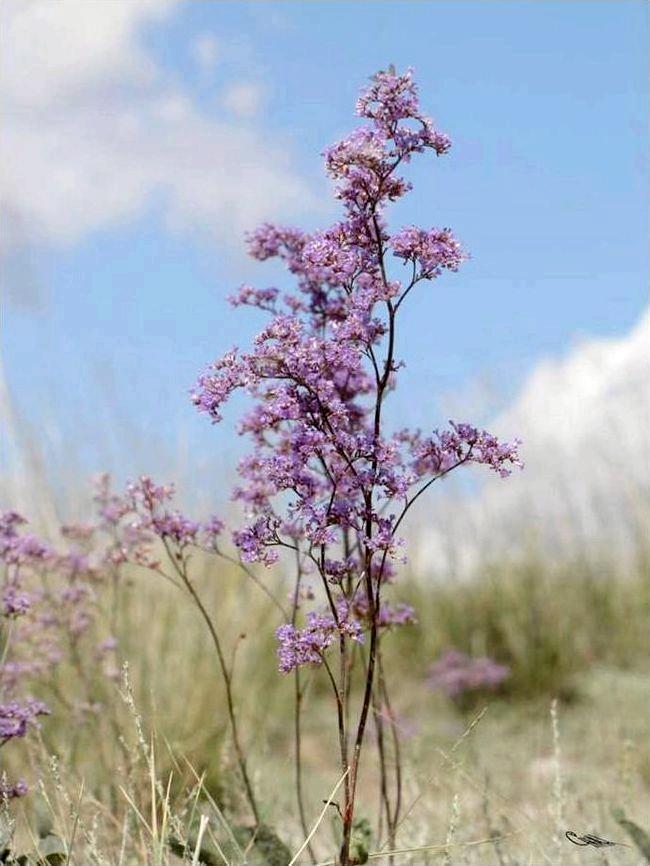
(14, 602)
(175, 526)
(9, 520)
(255, 541)
(269, 241)
(445, 450)
(304, 646)
(10, 791)
(456, 673)
(433, 251)
(15, 718)
(145, 492)
(249, 296)
(401, 614)
(18, 548)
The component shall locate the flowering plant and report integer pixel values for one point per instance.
(327, 479)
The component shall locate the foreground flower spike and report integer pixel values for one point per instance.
(327, 478)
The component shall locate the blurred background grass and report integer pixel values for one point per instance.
(567, 632)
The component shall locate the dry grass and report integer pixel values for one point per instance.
(131, 781)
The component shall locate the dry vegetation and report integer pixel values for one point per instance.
(128, 780)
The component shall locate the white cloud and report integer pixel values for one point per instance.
(93, 130)
(206, 52)
(57, 53)
(585, 487)
(243, 98)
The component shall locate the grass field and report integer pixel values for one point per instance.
(122, 774)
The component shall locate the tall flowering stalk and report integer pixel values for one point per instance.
(327, 478)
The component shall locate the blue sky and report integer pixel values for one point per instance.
(117, 276)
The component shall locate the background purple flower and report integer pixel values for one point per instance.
(457, 674)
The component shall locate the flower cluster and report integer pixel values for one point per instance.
(456, 673)
(17, 547)
(392, 98)
(307, 645)
(462, 443)
(148, 517)
(15, 718)
(431, 251)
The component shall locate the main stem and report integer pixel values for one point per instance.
(373, 602)
(348, 813)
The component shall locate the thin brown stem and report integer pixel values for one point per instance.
(179, 567)
(392, 817)
(373, 603)
(251, 574)
(297, 719)
(384, 800)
